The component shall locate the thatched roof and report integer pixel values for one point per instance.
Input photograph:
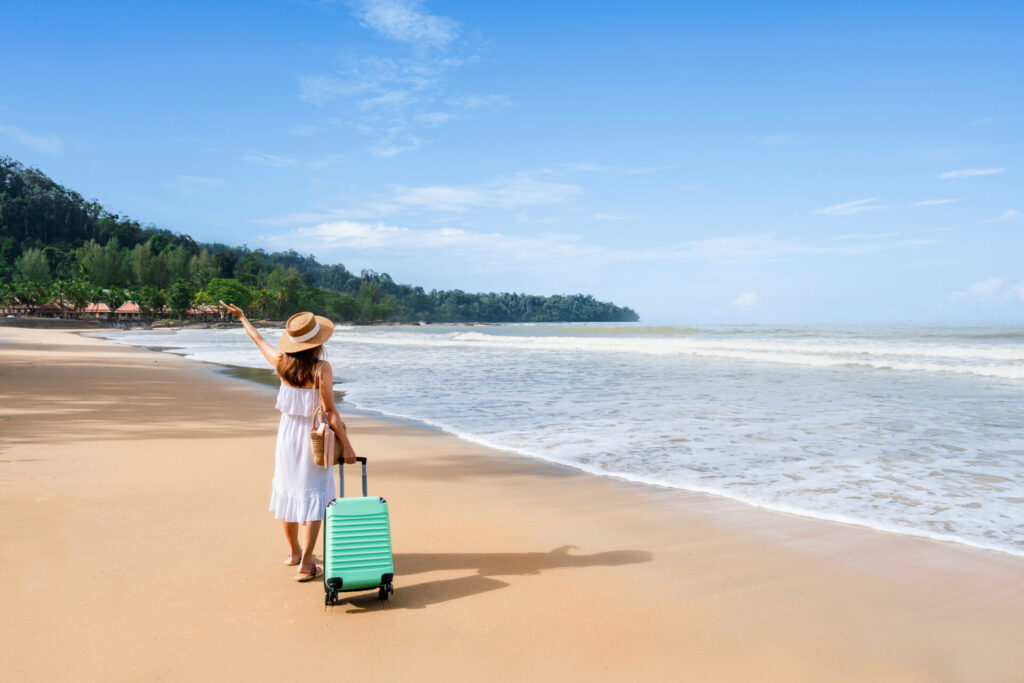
(128, 308)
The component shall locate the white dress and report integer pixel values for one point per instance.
(301, 489)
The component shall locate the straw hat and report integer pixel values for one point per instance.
(305, 331)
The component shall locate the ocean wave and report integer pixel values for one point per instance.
(969, 360)
(624, 331)
(756, 501)
(935, 457)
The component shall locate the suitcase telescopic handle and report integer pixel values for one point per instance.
(341, 477)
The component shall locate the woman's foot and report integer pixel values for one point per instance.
(293, 559)
(314, 573)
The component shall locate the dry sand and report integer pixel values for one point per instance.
(136, 545)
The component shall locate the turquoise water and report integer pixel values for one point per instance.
(913, 430)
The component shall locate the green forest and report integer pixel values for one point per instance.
(55, 244)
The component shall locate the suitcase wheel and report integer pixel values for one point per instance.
(382, 594)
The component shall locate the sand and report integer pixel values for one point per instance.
(136, 544)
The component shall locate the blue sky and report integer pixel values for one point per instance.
(700, 162)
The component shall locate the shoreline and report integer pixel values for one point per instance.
(257, 375)
(98, 325)
(167, 459)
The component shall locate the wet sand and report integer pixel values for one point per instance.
(136, 544)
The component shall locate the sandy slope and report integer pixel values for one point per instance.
(135, 543)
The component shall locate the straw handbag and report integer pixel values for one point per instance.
(327, 447)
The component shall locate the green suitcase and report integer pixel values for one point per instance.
(357, 544)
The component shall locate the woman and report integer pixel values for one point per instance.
(301, 489)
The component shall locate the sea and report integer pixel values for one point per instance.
(909, 429)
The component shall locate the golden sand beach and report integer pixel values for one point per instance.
(136, 545)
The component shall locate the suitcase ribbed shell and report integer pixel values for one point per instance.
(357, 542)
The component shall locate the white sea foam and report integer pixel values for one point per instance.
(878, 356)
(910, 430)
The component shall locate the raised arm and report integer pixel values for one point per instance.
(331, 410)
(272, 355)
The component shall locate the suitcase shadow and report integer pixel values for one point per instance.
(486, 567)
(422, 595)
(510, 564)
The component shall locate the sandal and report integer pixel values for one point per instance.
(302, 577)
(289, 563)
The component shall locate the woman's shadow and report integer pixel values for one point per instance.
(487, 566)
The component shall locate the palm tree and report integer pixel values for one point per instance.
(262, 300)
(114, 297)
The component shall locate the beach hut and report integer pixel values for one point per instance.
(15, 308)
(99, 311)
(129, 310)
(208, 313)
(54, 308)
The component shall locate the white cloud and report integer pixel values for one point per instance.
(352, 235)
(390, 99)
(747, 299)
(373, 77)
(1006, 216)
(851, 208)
(522, 189)
(47, 144)
(393, 100)
(495, 248)
(969, 173)
(264, 159)
(937, 202)
(992, 290)
(406, 21)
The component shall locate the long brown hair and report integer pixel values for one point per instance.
(298, 369)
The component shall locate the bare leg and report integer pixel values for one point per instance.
(310, 532)
(291, 532)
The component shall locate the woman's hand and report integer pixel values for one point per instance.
(233, 310)
(350, 454)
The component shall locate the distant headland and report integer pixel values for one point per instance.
(62, 255)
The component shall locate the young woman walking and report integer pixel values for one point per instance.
(301, 489)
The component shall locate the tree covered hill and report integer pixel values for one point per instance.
(55, 243)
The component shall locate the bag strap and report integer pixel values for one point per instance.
(317, 399)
